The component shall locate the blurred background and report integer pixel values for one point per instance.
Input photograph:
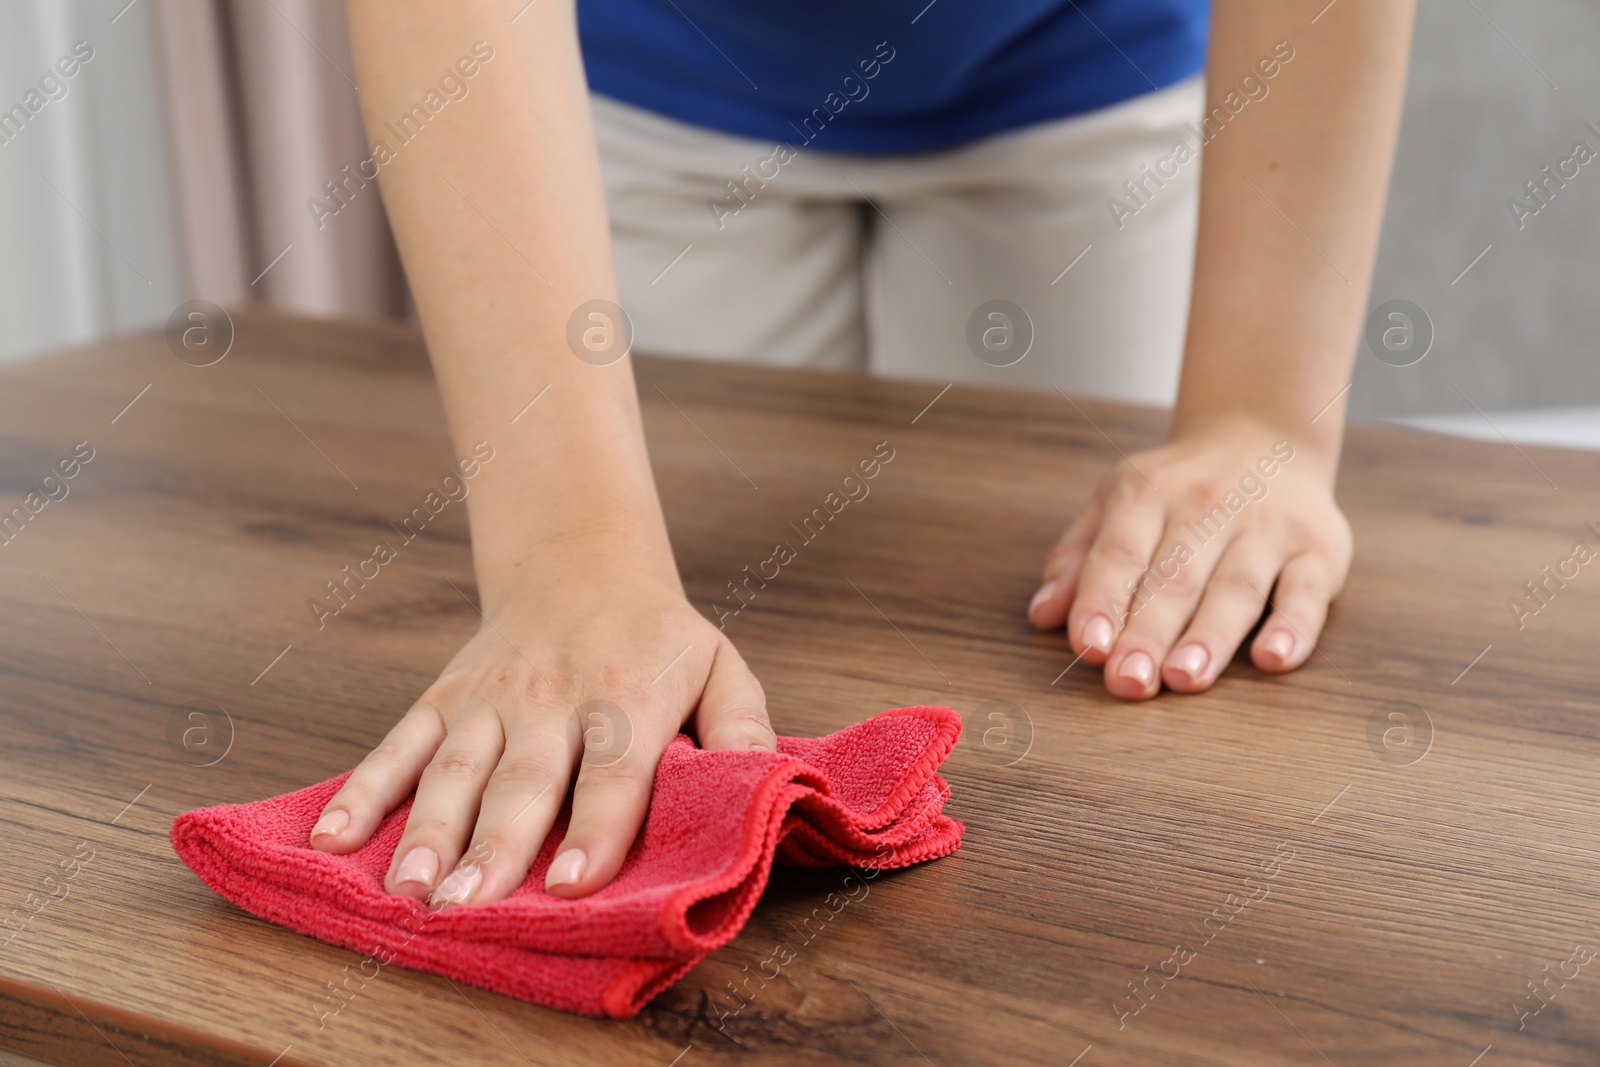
(176, 162)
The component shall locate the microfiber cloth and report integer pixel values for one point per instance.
(867, 796)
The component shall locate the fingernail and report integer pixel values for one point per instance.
(1280, 644)
(760, 746)
(1138, 667)
(567, 868)
(1097, 633)
(421, 864)
(461, 884)
(1042, 595)
(1190, 660)
(332, 823)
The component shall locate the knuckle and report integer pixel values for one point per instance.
(1126, 487)
(388, 755)
(630, 768)
(497, 679)
(524, 770)
(423, 826)
(1321, 536)
(623, 679)
(456, 763)
(1206, 490)
(1118, 550)
(1185, 583)
(555, 683)
(431, 704)
(501, 688)
(1303, 532)
(1236, 585)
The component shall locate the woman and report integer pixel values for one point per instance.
(932, 160)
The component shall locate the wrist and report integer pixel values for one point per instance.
(1314, 446)
(617, 553)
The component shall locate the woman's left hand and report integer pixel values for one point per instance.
(1171, 565)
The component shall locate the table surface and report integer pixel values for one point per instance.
(1285, 870)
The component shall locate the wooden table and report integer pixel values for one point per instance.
(1349, 887)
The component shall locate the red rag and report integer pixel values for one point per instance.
(868, 796)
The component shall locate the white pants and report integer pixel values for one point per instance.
(879, 262)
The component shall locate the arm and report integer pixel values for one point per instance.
(1273, 324)
(1291, 201)
(498, 209)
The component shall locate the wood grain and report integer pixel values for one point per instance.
(1395, 910)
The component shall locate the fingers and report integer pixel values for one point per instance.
(609, 802)
(1158, 587)
(498, 776)
(446, 805)
(612, 794)
(733, 707)
(1299, 608)
(1048, 608)
(1159, 607)
(616, 773)
(520, 804)
(1117, 558)
(379, 783)
(1230, 608)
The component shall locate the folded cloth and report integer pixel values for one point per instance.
(866, 796)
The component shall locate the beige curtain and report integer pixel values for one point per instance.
(262, 113)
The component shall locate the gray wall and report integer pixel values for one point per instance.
(1522, 328)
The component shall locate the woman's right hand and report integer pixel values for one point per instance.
(499, 215)
(494, 744)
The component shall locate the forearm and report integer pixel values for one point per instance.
(498, 210)
(1292, 194)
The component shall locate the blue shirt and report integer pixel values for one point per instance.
(884, 76)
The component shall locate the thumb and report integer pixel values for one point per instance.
(733, 707)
